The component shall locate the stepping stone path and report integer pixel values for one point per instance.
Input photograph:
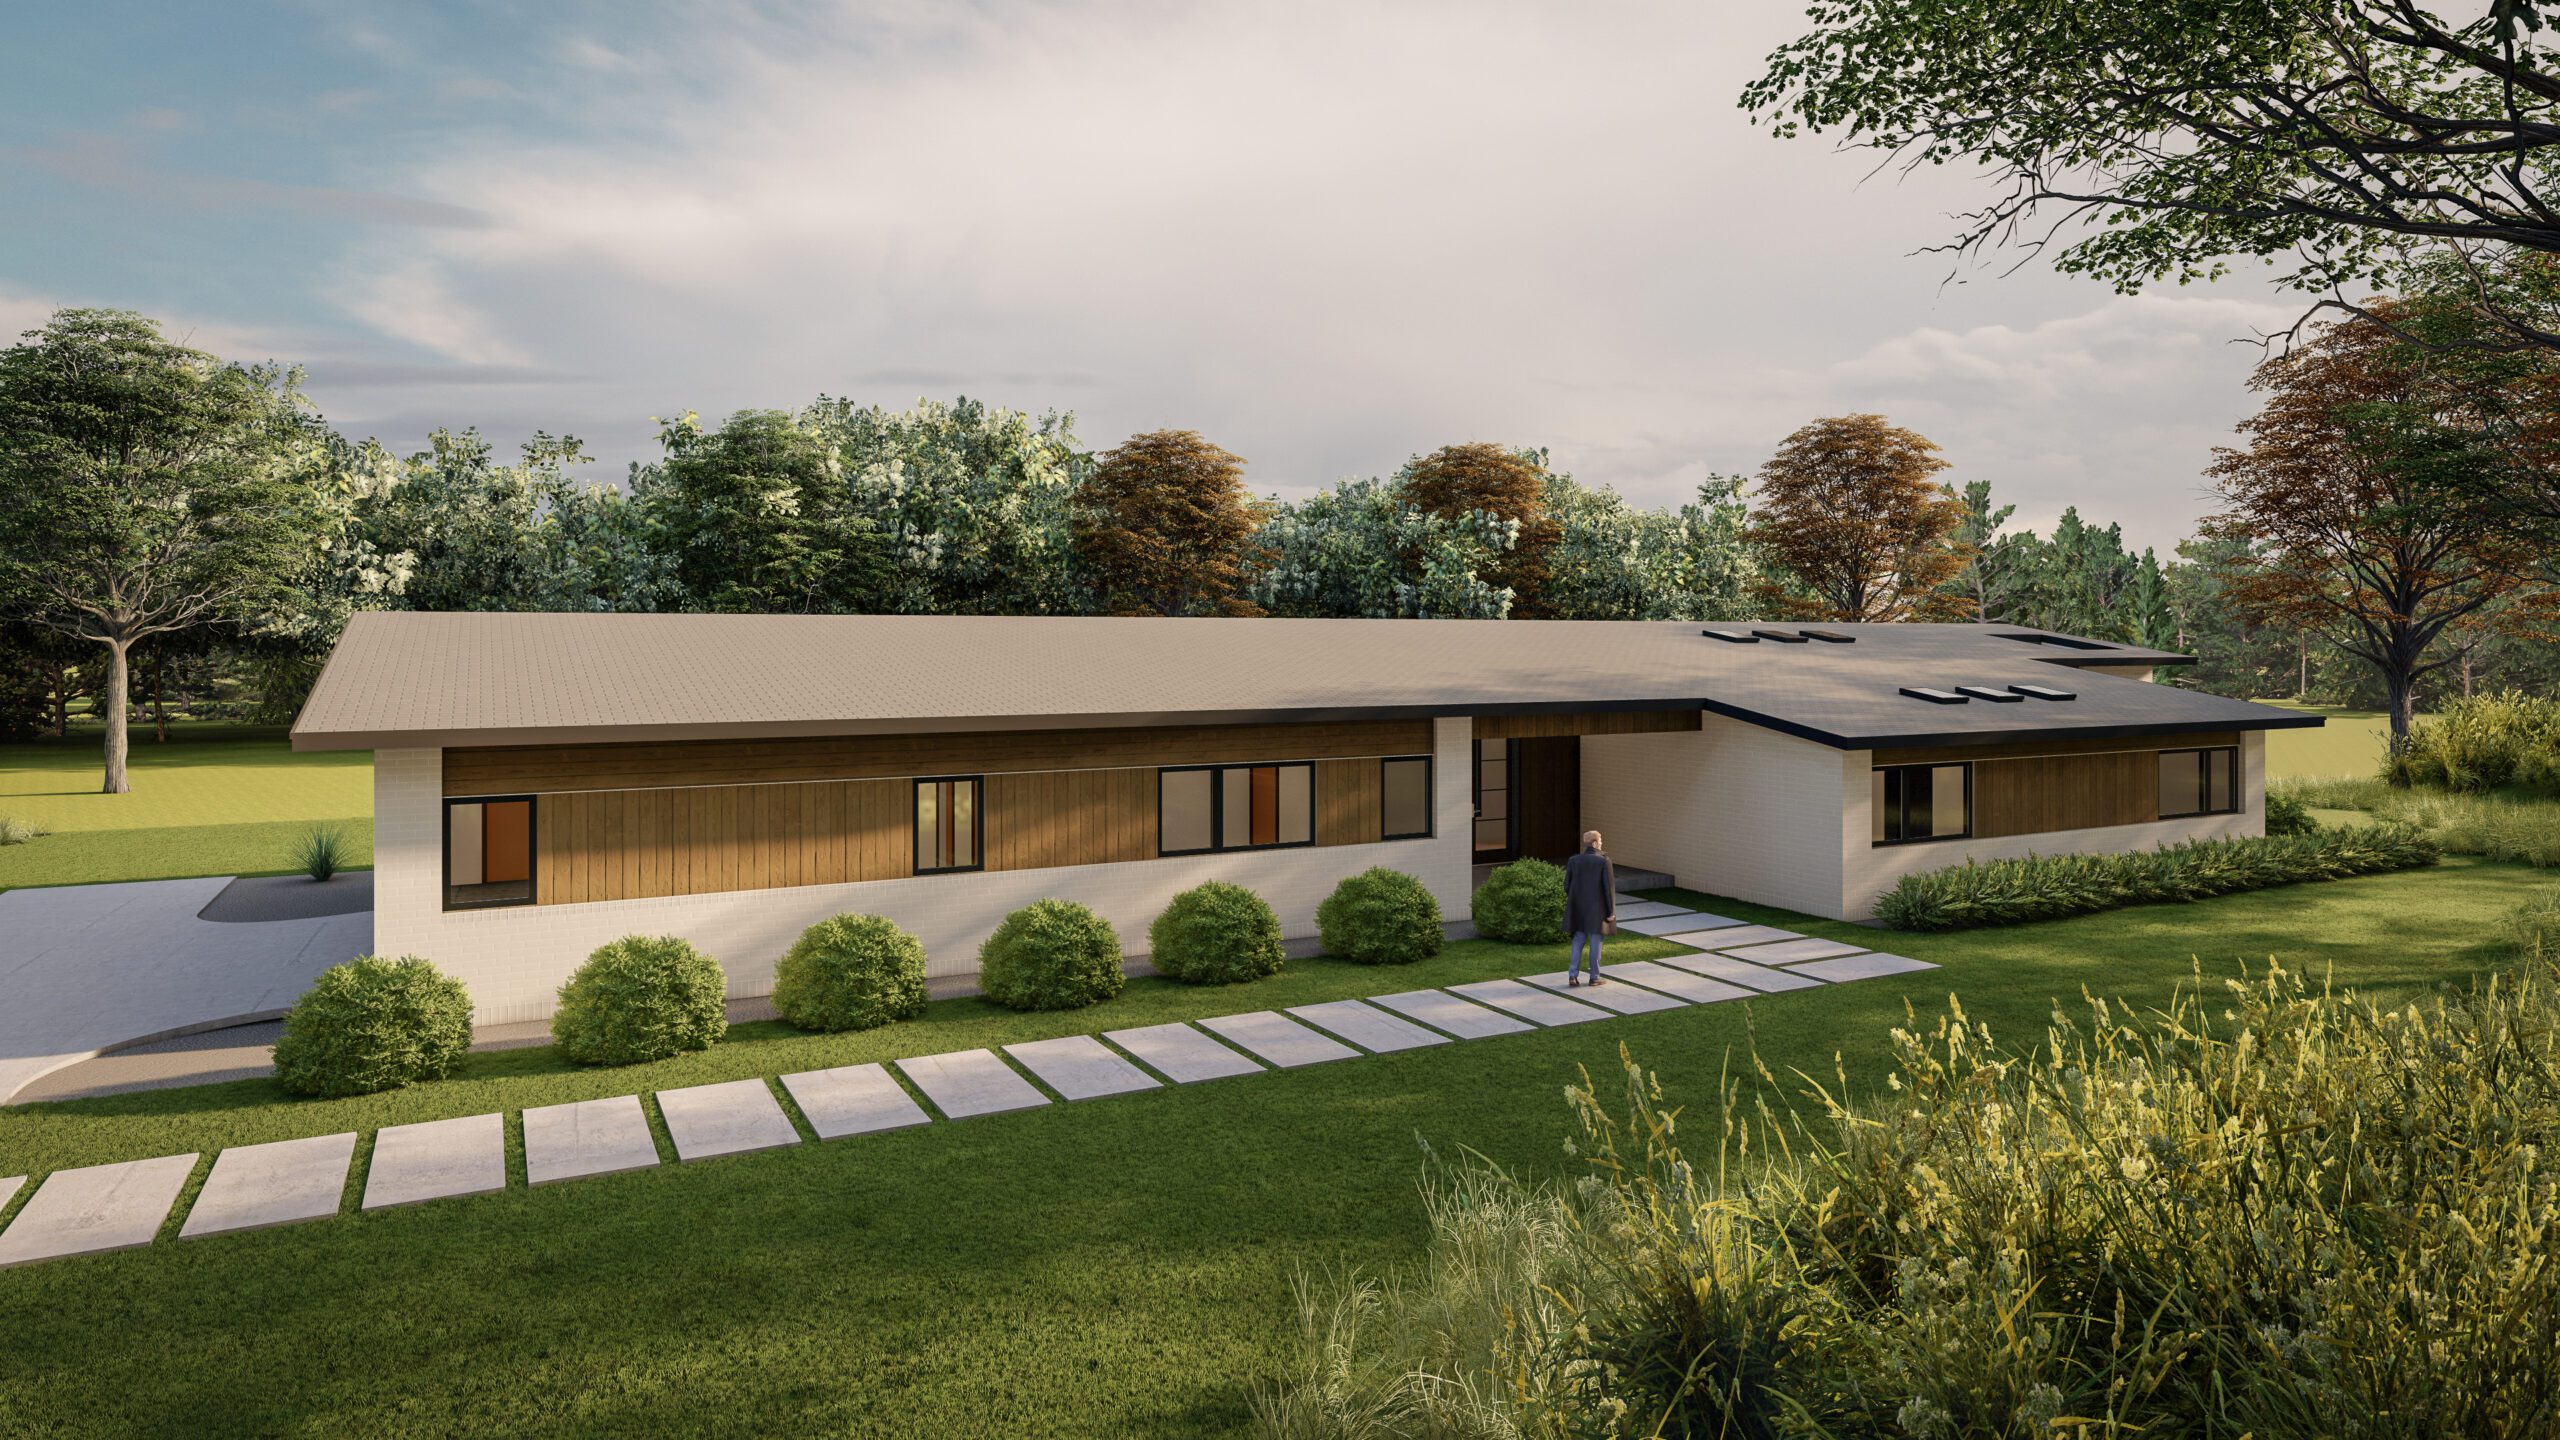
(1529, 1002)
(466, 1155)
(1741, 972)
(1368, 1027)
(96, 1208)
(108, 1207)
(1181, 1054)
(730, 1118)
(971, 1082)
(853, 1100)
(1624, 999)
(1789, 952)
(1443, 1011)
(1277, 1038)
(1081, 1067)
(587, 1137)
(254, 1186)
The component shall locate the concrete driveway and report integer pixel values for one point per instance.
(88, 968)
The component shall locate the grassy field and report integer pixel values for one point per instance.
(1122, 1267)
(214, 800)
(2350, 744)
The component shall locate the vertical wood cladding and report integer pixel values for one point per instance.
(634, 844)
(1350, 802)
(2033, 796)
(1070, 817)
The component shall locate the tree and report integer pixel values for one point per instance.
(462, 523)
(146, 489)
(2002, 571)
(2366, 140)
(755, 518)
(1358, 549)
(2358, 494)
(1612, 561)
(1164, 527)
(1848, 511)
(1455, 482)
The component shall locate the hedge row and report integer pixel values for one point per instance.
(2048, 887)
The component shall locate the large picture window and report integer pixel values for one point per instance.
(948, 824)
(1921, 802)
(2199, 782)
(1404, 797)
(1235, 807)
(488, 852)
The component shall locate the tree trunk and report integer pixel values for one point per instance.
(119, 699)
(2466, 672)
(160, 698)
(2403, 702)
(61, 702)
(2302, 679)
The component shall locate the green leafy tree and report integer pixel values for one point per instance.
(1357, 549)
(2003, 569)
(755, 518)
(1613, 561)
(1457, 483)
(1164, 527)
(146, 489)
(464, 521)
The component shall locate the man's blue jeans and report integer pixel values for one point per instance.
(1580, 938)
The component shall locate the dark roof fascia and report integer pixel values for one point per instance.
(1916, 740)
(2159, 661)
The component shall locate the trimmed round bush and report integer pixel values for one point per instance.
(1523, 903)
(1216, 934)
(642, 997)
(374, 1024)
(854, 972)
(1380, 917)
(1051, 955)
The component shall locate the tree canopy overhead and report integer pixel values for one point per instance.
(1164, 527)
(2364, 140)
(1849, 512)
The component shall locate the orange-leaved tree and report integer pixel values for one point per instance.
(1850, 514)
(2366, 498)
(1164, 527)
(1457, 480)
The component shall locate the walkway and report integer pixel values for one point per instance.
(87, 968)
(120, 1206)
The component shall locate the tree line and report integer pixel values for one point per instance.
(169, 515)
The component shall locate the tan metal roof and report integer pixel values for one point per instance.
(414, 679)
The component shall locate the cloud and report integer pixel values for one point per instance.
(114, 163)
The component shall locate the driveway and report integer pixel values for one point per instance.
(88, 968)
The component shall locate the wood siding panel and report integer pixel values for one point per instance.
(1349, 805)
(1602, 722)
(2064, 792)
(556, 768)
(2059, 745)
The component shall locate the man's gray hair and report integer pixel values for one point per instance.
(1590, 838)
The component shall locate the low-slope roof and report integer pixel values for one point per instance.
(458, 679)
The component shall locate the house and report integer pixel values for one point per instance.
(544, 783)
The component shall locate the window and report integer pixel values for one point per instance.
(488, 852)
(1493, 796)
(1404, 789)
(947, 824)
(1235, 807)
(2199, 782)
(1921, 802)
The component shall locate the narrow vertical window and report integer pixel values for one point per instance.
(947, 826)
(2199, 782)
(1185, 811)
(488, 852)
(1404, 797)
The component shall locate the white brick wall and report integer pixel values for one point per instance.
(1733, 809)
(515, 958)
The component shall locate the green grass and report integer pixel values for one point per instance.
(2351, 743)
(214, 800)
(1120, 1267)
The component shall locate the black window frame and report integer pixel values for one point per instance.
(1510, 847)
(1218, 808)
(2204, 783)
(977, 823)
(1903, 821)
(532, 851)
(1430, 799)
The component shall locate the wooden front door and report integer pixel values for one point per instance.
(1547, 795)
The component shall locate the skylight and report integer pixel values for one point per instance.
(1830, 636)
(2066, 642)
(1992, 693)
(1735, 636)
(1934, 697)
(2045, 692)
(1783, 637)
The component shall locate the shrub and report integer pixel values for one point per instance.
(374, 1024)
(14, 831)
(854, 972)
(1051, 955)
(2482, 742)
(1380, 917)
(2047, 887)
(322, 851)
(1216, 934)
(2496, 827)
(2181, 1224)
(2535, 925)
(639, 998)
(1522, 902)
(2288, 816)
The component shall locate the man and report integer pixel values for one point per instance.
(1590, 904)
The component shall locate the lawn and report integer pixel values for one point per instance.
(214, 800)
(2351, 743)
(1122, 1267)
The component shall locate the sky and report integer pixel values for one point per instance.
(1326, 235)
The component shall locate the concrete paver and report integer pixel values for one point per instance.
(1182, 1054)
(853, 1100)
(9, 1187)
(1367, 1026)
(1649, 909)
(1443, 1011)
(1529, 1002)
(971, 1082)
(278, 1183)
(1861, 967)
(1736, 936)
(587, 1137)
(1081, 1067)
(733, 1117)
(1674, 924)
(466, 1155)
(1277, 1038)
(95, 1208)
(1697, 989)
(1624, 999)
(1762, 978)
(1789, 952)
